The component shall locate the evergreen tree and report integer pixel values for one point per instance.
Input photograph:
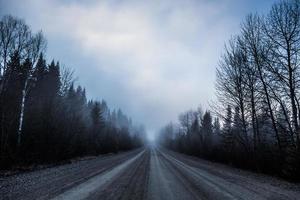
(227, 133)
(53, 79)
(237, 125)
(216, 132)
(97, 128)
(216, 127)
(207, 132)
(40, 68)
(33, 122)
(10, 106)
(44, 120)
(194, 137)
(96, 115)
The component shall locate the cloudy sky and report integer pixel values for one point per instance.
(152, 58)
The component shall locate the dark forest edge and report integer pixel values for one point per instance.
(44, 118)
(254, 124)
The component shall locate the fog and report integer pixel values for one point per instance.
(152, 59)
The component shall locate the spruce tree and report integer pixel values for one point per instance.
(228, 139)
(207, 132)
(53, 78)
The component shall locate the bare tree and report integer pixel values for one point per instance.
(282, 29)
(16, 36)
(37, 45)
(231, 87)
(67, 78)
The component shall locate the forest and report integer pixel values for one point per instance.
(45, 116)
(254, 123)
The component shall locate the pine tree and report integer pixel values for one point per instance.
(35, 114)
(227, 133)
(96, 115)
(97, 136)
(40, 68)
(53, 79)
(71, 93)
(216, 131)
(216, 127)
(194, 137)
(206, 123)
(37, 94)
(237, 125)
(10, 105)
(207, 132)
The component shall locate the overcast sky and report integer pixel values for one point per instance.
(153, 58)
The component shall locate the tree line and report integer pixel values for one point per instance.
(257, 113)
(44, 117)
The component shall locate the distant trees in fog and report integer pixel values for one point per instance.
(258, 90)
(43, 116)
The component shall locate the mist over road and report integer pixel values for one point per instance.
(150, 173)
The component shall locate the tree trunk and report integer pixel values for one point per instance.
(21, 117)
(270, 107)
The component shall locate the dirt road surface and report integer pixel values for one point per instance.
(150, 173)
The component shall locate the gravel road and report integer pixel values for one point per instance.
(150, 173)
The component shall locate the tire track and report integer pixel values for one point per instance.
(130, 184)
(239, 185)
(49, 182)
(84, 190)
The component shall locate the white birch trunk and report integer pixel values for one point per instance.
(21, 117)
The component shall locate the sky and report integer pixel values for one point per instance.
(152, 58)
